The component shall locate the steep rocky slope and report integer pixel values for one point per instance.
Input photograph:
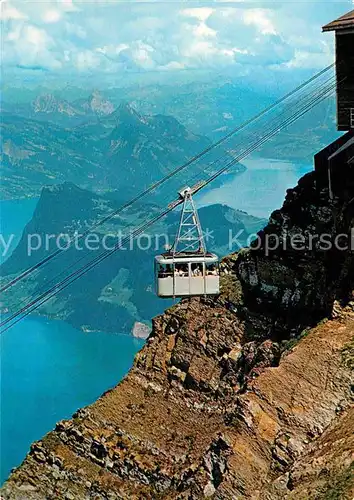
(179, 427)
(249, 395)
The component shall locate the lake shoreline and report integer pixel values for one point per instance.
(49, 370)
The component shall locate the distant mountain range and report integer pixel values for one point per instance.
(121, 149)
(58, 109)
(206, 109)
(120, 291)
(48, 106)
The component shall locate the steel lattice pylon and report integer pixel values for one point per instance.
(190, 237)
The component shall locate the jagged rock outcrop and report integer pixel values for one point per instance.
(48, 103)
(303, 260)
(177, 428)
(249, 395)
(98, 104)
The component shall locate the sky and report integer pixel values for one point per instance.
(77, 39)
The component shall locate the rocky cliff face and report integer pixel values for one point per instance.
(249, 395)
(303, 261)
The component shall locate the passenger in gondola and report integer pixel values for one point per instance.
(212, 271)
(181, 271)
(197, 270)
(178, 271)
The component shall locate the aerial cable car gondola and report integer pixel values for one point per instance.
(187, 269)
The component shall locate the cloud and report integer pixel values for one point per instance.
(201, 13)
(51, 16)
(304, 59)
(261, 20)
(86, 60)
(68, 6)
(32, 68)
(103, 36)
(75, 31)
(30, 46)
(9, 12)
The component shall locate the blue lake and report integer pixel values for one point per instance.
(49, 369)
(260, 189)
(14, 215)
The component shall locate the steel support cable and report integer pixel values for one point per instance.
(265, 138)
(227, 166)
(303, 102)
(309, 97)
(225, 158)
(138, 231)
(325, 94)
(160, 182)
(77, 274)
(37, 302)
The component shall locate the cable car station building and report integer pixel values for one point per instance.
(338, 157)
(344, 32)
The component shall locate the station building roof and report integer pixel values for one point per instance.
(345, 22)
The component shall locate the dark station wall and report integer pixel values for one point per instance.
(345, 78)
